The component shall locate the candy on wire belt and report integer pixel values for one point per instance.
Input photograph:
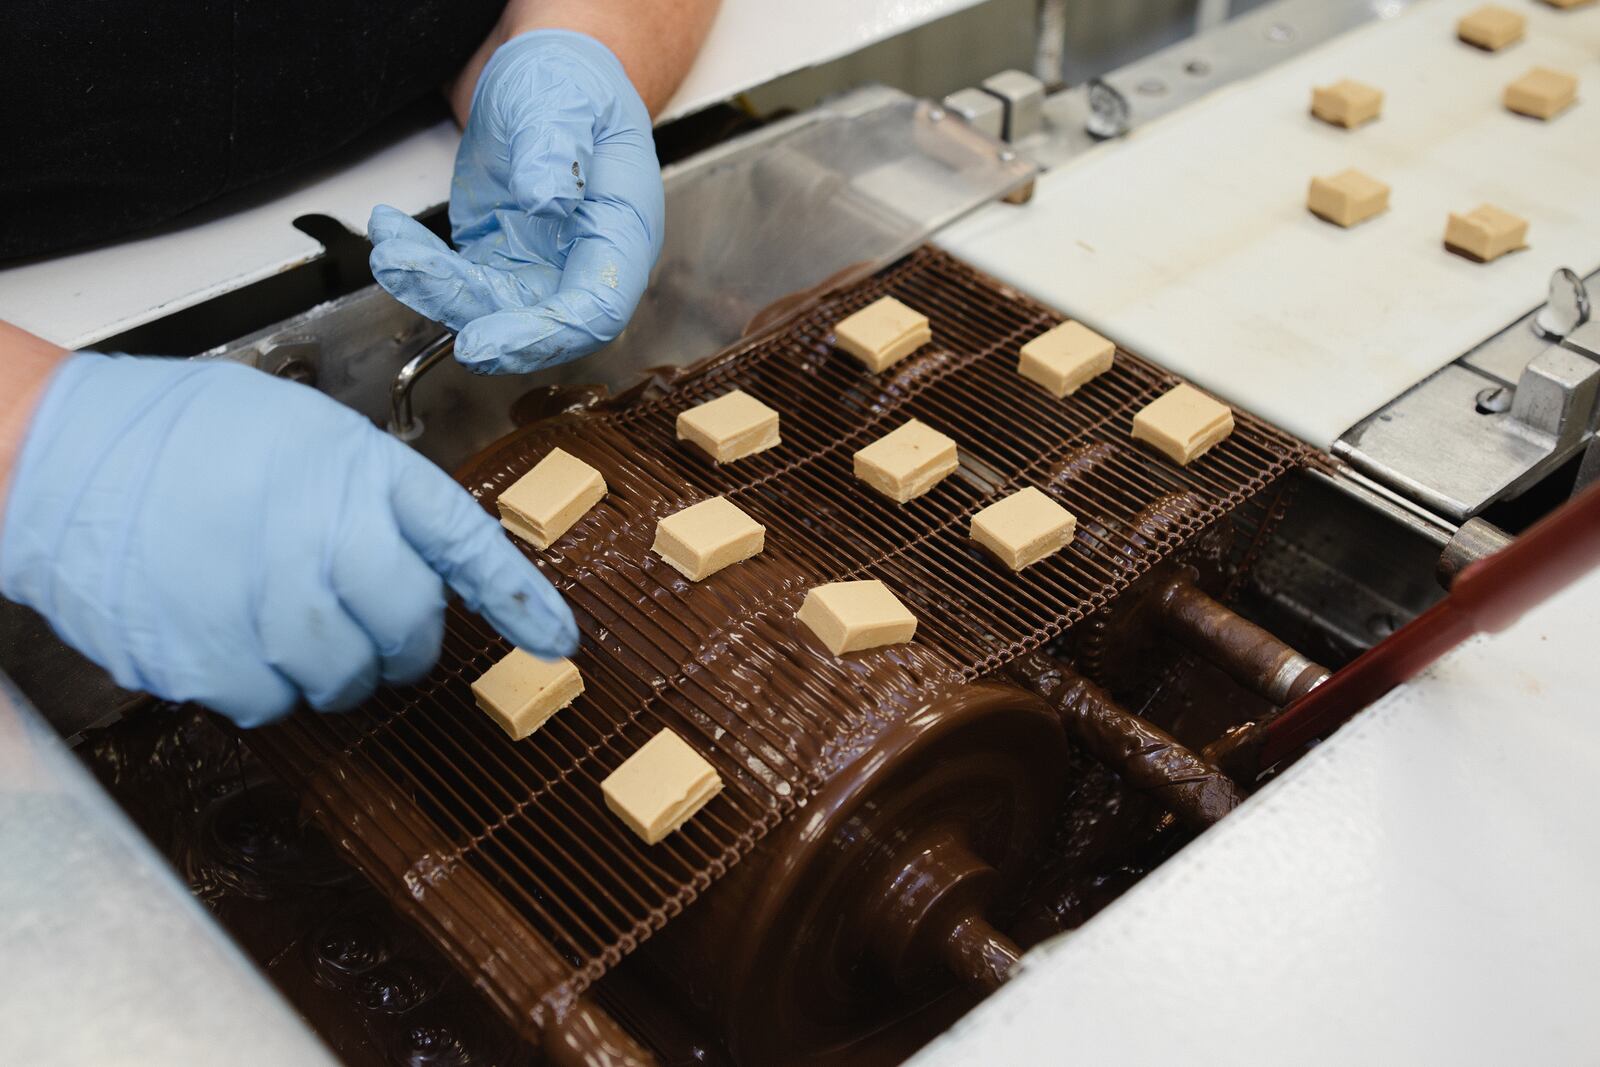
(505, 852)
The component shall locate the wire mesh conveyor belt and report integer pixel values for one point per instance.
(505, 850)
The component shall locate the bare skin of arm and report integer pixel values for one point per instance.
(26, 364)
(656, 40)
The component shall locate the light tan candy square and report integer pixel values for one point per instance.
(1347, 198)
(905, 463)
(1485, 233)
(883, 333)
(1063, 358)
(543, 504)
(660, 787)
(703, 538)
(854, 616)
(522, 691)
(1346, 103)
(1024, 528)
(732, 426)
(1184, 424)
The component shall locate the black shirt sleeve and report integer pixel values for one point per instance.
(117, 115)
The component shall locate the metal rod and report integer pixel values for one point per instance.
(1359, 487)
(1146, 757)
(982, 956)
(1251, 656)
(402, 423)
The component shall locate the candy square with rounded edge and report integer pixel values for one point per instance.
(855, 616)
(906, 463)
(883, 333)
(703, 538)
(1346, 103)
(1183, 424)
(1491, 27)
(1348, 198)
(1485, 233)
(660, 787)
(1542, 93)
(522, 691)
(732, 426)
(544, 503)
(1024, 528)
(1065, 357)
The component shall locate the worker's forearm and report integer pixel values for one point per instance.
(656, 40)
(26, 364)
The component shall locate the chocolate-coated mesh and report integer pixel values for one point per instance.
(506, 852)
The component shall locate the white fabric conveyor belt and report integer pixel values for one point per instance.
(1189, 241)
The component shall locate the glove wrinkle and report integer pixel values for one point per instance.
(211, 533)
(556, 211)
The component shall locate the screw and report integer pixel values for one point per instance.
(1152, 87)
(1198, 67)
(1493, 400)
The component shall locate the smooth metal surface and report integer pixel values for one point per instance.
(1531, 409)
(1023, 97)
(1556, 397)
(1345, 565)
(1166, 81)
(108, 958)
(1436, 446)
(403, 423)
(1475, 540)
(985, 111)
(1566, 308)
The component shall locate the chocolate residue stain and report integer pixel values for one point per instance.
(373, 988)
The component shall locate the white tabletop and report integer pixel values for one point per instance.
(1190, 242)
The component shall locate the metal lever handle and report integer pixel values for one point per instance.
(402, 422)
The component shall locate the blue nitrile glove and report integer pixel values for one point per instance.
(207, 532)
(556, 207)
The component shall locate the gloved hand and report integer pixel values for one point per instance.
(207, 532)
(556, 207)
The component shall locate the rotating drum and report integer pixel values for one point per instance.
(866, 901)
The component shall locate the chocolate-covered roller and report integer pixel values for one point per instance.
(1146, 757)
(891, 884)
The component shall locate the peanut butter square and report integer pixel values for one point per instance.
(1485, 233)
(854, 616)
(732, 426)
(1347, 198)
(543, 504)
(1024, 528)
(883, 333)
(660, 787)
(1064, 357)
(1346, 103)
(905, 463)
(522, 691)
(1183, 424)
(1491, 27)
(1542, 93)
(703, 538)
